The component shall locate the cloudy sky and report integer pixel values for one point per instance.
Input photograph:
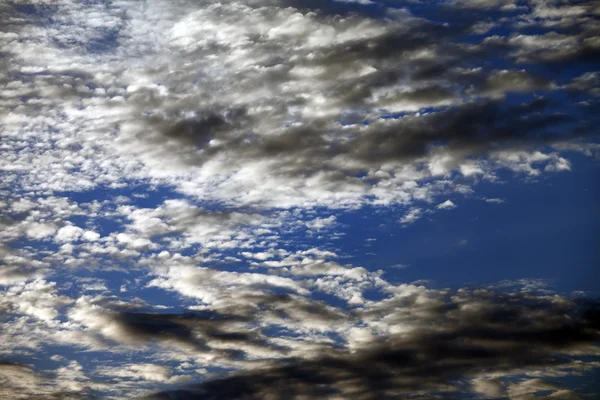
(299, 199)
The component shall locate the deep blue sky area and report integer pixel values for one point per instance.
(547, 229)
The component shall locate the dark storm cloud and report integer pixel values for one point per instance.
(474, 334)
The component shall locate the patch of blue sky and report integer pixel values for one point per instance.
(329, 299)
(545, 229)
(139, 194)
(42, 247)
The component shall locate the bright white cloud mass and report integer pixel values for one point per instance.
(199, 199)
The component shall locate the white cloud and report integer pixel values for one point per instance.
(320, 223)
(490, 388)
(40, 230)
(90, 236)
(211, 286)
(145, 372)
(446, 205)
(68, 233)
(411, 216)
(38, 298)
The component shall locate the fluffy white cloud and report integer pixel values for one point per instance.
(146, 372)
(446, 205)
(411, 216)
(39, 231)
(68, 233)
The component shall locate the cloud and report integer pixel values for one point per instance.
(16, 378)
(145, 372)
(447, 205)
(20, 381)
(328, 103)
(40, 231)
(495, 201)
(68, 233)
(413, 215)
(320, 223)
(38, 298)
(199, 157)
(490, 388)
(211, 285)
(474, 334)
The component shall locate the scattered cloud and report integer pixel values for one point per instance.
(177, 179)
(447, 205)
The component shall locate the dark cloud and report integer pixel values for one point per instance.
(474, 128)
(241, 321)
(282, 308)
(201, 129)
(473, 334)
(200, 330)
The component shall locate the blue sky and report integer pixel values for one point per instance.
(299, 199)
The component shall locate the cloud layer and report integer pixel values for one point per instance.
(175, 177)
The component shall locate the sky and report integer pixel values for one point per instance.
(285, 199)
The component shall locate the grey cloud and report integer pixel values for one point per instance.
(282, 309)
(285, 98)
(487, 334)
(589, 81)
(20, 381)
(473, 128)
(398, 56)
(556, 48)
(235, 329)
(197, 329)
(301, 93)
(194, 330)
(501, 82)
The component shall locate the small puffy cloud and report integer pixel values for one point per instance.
(22, 205)
(529, 387)
(142, 372)
(502, 82)
(320, 223)
(411, 216)
(39, 299)
(69, 233)
(399, 266)
(90, 236)
(40, 231)
(488, 388)
(494, 200)
(447, 205)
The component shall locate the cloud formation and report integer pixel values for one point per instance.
(177, 177)
(475, 335)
